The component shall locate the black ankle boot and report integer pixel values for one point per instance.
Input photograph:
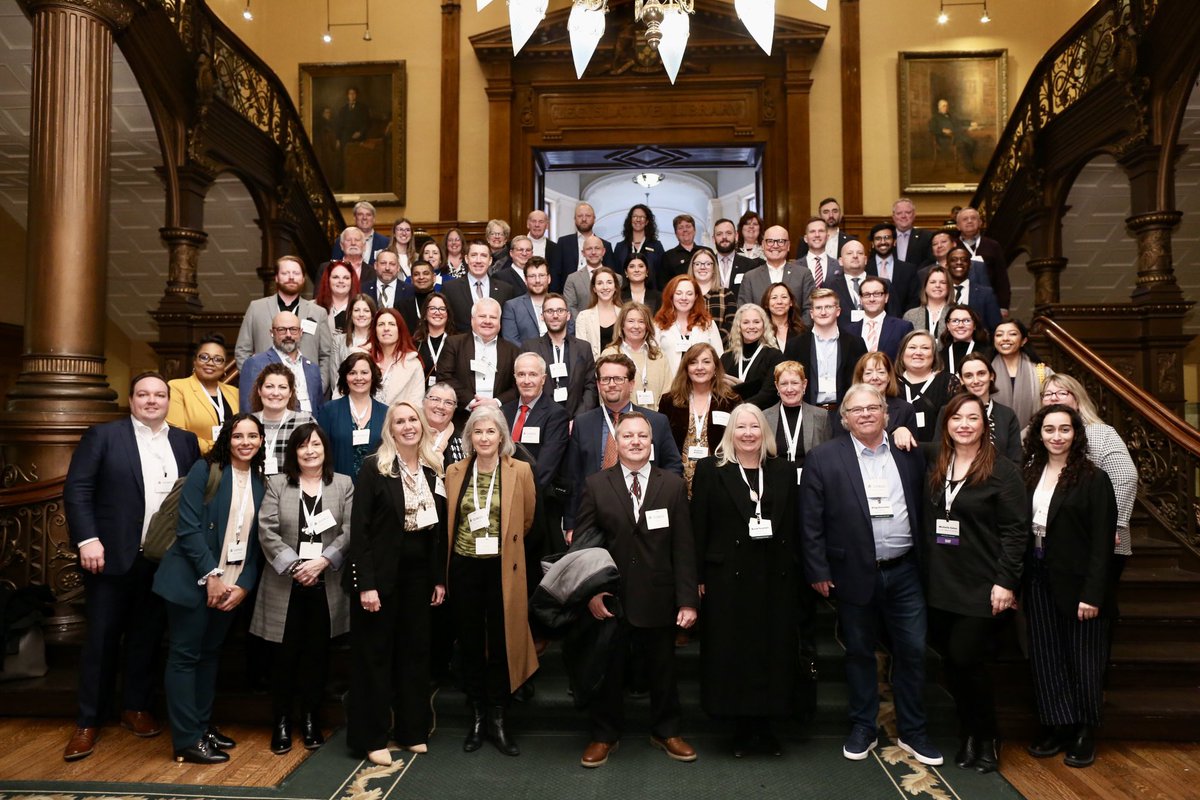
(1081, 751)
(310, 727)
(281, 735)
(989, 756)
(1051, 741)
(495, 731)
(474, 738)
(968, 752)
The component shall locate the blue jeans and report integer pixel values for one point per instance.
(899, 602)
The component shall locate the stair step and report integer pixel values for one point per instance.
(1160, 664)
(1171, 584)
(1150, 551)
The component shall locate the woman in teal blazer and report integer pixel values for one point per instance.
(208, 571)
(342, 419)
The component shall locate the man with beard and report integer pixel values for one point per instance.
(256, 334)
(903, 289)
(675, 261)
(522, 317)
(570, 249)
(285, 330)
(731, 267)
(571, 380)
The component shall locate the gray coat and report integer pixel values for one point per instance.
(817, 428)
(255, 334)
(279, 526)
(796, 275)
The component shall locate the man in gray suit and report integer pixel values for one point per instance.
(522, 315)
(316, 340)
(578, 289)
(776, 246)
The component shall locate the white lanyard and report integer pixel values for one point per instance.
(950, 353)
(644, 366)
(756, 497)
(608, 420)
(358, 418)
(436, 354)
(924, 386)
(217, 404)
(700, 419)
(271, 440)
(744, 366)
(417, 305)
(241, 517)
(487, 507)
(970, 247)
(309, 516)
(951, 494)
(792, 439)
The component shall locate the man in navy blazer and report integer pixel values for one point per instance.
(285, 329)
(572, 381)
(904, 291)
(364, 220)
(913, 245)
(569, 252)
(880, 331)
(521, 318)
(968, 292)
(860, 502)
(536, 422)
(118, 477)
(591, 434)
(461, 293)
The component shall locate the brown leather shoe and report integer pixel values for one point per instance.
(596, 754)
(675, 747)
(82, 743)
(142, 723)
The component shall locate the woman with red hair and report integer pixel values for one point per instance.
(683, 320)
(391, 346)
(337, 285)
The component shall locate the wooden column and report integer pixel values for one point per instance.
(448, 150)
(852, 148)
(500, 134)
(793, 204)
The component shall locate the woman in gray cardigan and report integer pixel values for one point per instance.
(304, 529)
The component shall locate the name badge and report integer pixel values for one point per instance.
(216, 432)
(481, 366)
(323, 521)
(531, 436)
(657, 518)
(309, 326)
(439, 486)
(361, 436)
(560, 394)
(760, 528)
(857, 314)
(879, 508)
(645, 398)
(487, 546)
(947, 532)
(310, 550)
(1040, 515)
(920, 419)
(720, 418)
(431, 380)
(651, 452)
(877, 487)
(236, 553)
(164, 485)
(271, 465)
(682, 347)
(799, 473)
(558, 369)
(426, 517)
(826, 384)
(738, 278)
(478, 520)
(697, 452)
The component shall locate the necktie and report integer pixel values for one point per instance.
(479, 290)
(902, 245)
(383, 298)
(857, 297)
(885, 268)
(872, 335)
(520, 426)
(610, 446)
(635, 491)
(958, 293)
(818, 272)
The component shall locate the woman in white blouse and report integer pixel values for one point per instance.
(394, 351)
(683, 320)
(635, 338)
(596, 323)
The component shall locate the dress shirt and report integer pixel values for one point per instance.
(814, 262)
(872, 327)
(776, 274)
(537, 312)
(893, 535)
(884, 267)
(853, 282)
(485, 382)
(297, 368)
(604, 434)
(827, 362)
(486, 287)
(831, 243)
(643, 478)
(965, 297)
(539, 246)
(902, 238)
(158, 464)
(520, 274)
(725, 269)
(388, 290)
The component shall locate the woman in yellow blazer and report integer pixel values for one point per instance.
(489, 512)
(200, 403)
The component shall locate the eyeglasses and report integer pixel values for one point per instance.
(293, 329)
(614, 379)
(775, 242)
(435, 310)
(871, 295)
(857, 410)
(439, 401)
(205, 358)
(957, 322)
(554, 312)
(1055, 394)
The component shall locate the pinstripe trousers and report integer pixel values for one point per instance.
(1067, 656)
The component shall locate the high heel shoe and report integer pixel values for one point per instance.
(202, 752)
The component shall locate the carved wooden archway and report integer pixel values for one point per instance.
(728, 92)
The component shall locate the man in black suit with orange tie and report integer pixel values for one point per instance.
(639, 513)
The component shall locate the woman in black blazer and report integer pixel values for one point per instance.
(1068, 597)
(697, 406)
(977, 375)
(752, 356)
(750, 580)
(975, 532)
(397, 559)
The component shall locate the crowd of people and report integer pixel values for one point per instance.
(687, 442)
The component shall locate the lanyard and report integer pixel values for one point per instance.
(744, 365)
(951, 494)
(358, 418)
(700, 419)
(756, 497)
(271, 440)
(218, 404)
(950, 352)
(241, 517)
(487, 507)
(792, 439)
(310, 528)
(924, 386)
(436, 354)
(643, 367)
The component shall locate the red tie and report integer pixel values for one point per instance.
(520, 426)
(818, 271)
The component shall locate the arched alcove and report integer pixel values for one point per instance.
(226, 271)
(1102, 256)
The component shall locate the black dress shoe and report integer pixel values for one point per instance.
(310, 727)
(202, 752)
(499, 736)
(1081, 752)
(1051, 741)
(474, 739)
(989, 756)
(968, 753)
(219, 739)
(281, 735)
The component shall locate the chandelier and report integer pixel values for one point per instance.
(668, 25)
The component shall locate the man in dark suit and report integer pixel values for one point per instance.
(827, 352)
(285, 331)
(880, 331)
(118, 478)
(675, 261)
(732, 267)
(373, 241)
(479, 365)
(570, 249)
(965, 291)
(860, 502)
(847, 281)
(820, 265)
(830, 211)
(535, 421)
(593, 442)
(904, 291)
(537, 224)
(987, 252)
(463, 292)
(385, 287)
(522, 315)
(639, 513)
(572, 381)
(912, 244)
(512, 269)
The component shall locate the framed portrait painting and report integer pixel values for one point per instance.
(355, 116)
(953, 107)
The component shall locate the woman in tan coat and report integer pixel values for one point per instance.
(490, 510)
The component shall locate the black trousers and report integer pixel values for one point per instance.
(477, 598)
(300, 663)
(119, 608)
(389, 674)
(967, 645)
(657, 647)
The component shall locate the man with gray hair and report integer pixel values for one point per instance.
(373, 243)
(536, 422)
(479, 365)
(861, 513)
(511, 269)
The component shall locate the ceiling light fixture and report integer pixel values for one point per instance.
(247, 15)
(327, 37)
(943, 17)
(648, 180)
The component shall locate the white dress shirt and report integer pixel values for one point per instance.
(297, 368)
(486, 354)
(159, 470)
(643, 479)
